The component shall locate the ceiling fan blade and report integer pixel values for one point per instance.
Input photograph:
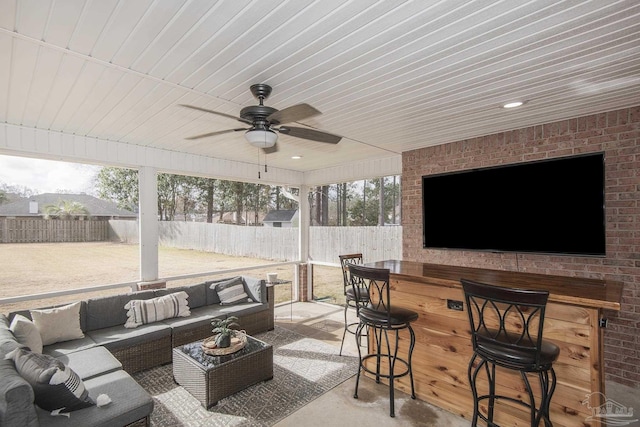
(229, 116)
(220, 132)
(270, 150)
(313, 135)
(293, 114)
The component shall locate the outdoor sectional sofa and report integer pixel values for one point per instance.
(108, 352)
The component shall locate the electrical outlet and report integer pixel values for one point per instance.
(454, 305)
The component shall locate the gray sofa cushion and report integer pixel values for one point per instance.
(117, 337)
(91, 362)
(256, 288)
(213, 311)
(239, 310)
(199, 317)
(16, 398)
(65, 347)
(105, 312)
(5, 333)
(9, 346)
(129, 403)
(197, 294)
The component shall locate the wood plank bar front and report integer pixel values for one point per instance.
(443, 339)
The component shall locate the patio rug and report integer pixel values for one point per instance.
(303, 370)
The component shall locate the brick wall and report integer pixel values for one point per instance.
(617, 134)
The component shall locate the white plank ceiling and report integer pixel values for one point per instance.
(389, 76)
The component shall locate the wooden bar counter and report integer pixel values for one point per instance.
(443, 347)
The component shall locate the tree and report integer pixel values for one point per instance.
(364, 210)
(20, 191)
(257, 198)
(183, 196)
(319, 203)
(283, 198)
(377, 204)
(205, 191)
(225, 197)
(169, 187)
(342, 196)
(119, 185)
(3, 197)
(238, 199)
(65, 209)
(381, 207)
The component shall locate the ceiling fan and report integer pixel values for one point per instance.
(265, 121)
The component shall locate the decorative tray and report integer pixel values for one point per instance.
(237, 343)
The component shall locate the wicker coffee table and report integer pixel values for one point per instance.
(211, 378)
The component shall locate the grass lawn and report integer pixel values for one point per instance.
(34, 268)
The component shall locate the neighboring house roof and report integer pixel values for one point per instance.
(95, 206)
(280, 216)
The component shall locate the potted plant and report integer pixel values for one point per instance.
(224, 330)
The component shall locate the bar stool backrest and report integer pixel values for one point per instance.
(506, 323)
(376, 280)
(345, 260)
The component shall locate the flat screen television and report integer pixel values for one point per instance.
(552, 206)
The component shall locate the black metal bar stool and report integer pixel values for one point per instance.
(360, 293)
(381, 319)
(506, 331)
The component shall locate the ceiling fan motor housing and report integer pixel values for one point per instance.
(255, 113)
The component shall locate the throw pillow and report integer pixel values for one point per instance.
(59, 323)
(55, 386)
(26, 333)
(231, 291)
(141, 312)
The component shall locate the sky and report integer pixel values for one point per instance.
(47, 176)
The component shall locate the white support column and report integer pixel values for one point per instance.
(148, 204)
(303, 237)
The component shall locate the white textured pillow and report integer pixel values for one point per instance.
(140, 312)
(58, 324)
(26, 333)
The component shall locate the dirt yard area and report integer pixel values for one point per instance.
(35, 268)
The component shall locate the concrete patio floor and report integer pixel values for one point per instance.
(338, 407)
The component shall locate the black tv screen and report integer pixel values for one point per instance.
(551, 206)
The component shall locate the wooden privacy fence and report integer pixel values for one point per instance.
(35, 230)
(326, 243)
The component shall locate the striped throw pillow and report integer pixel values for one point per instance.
(231, 291)
(55, 385)
(141, 312)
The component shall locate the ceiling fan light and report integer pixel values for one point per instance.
(261, 138)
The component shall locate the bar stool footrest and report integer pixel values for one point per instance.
(403, 362)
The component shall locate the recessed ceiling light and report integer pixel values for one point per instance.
(512, 104)
(296, 157)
